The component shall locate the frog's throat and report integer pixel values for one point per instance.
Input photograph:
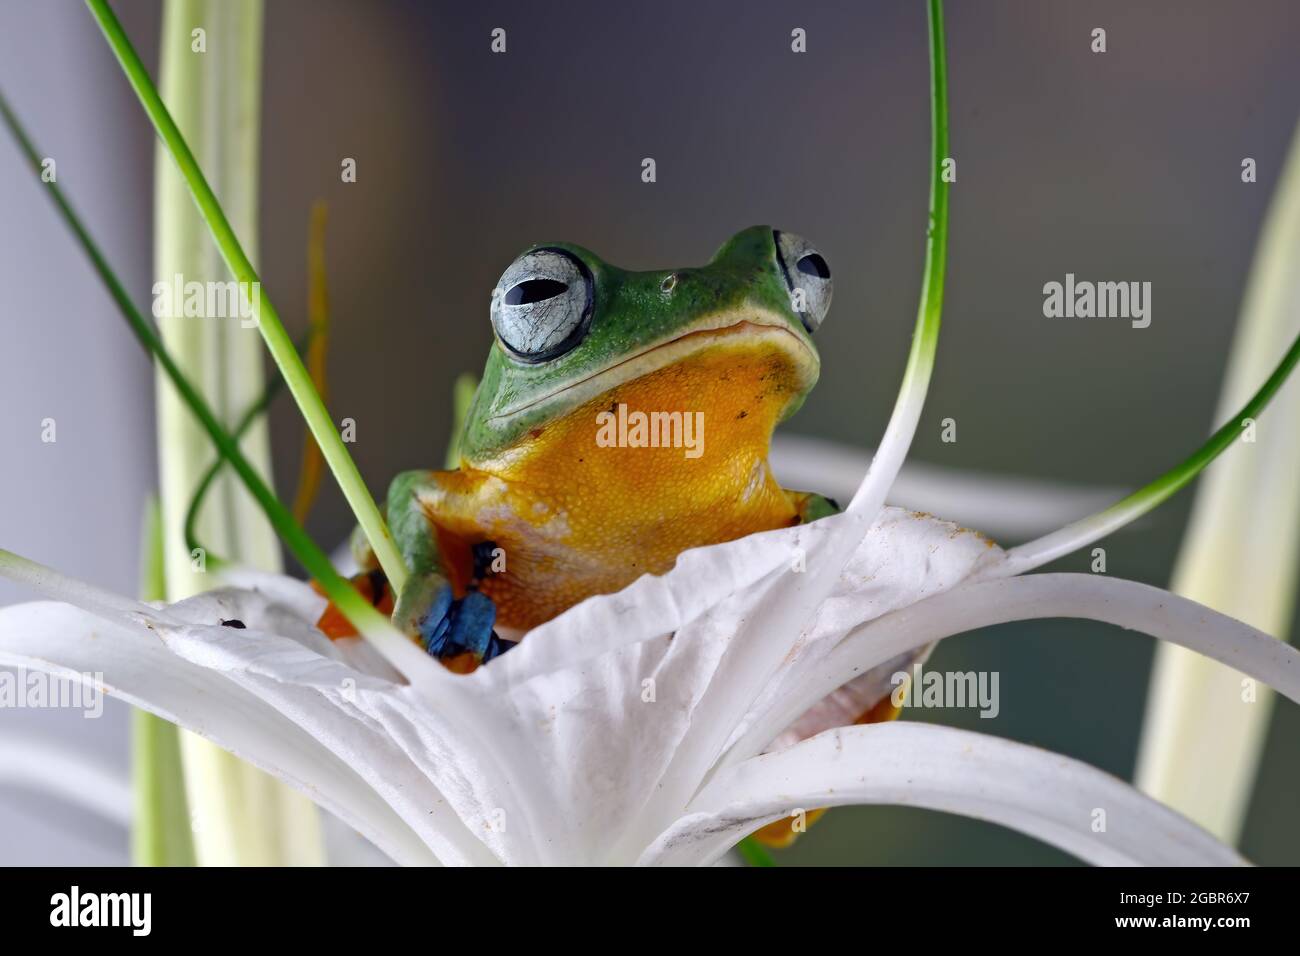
(754, 324)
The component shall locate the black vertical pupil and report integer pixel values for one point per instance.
(814, 265)
(534, 290)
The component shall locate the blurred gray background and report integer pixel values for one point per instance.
(1120, 166)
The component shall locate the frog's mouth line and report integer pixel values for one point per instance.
(663, 354)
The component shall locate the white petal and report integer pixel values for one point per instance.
(1006, 506)
(366, 723)
(137, 667)
(439, 767)
(448, 766)
(1044, 795)
(435, 764)
(652, 606)
(305, 607)
(981, 603)
(905, 559)
(716, 636)
(560, 735)
(576, 685)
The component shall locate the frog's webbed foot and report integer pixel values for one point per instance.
(447, 626)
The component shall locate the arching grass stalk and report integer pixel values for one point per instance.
(273, 331)
(246, 421)
(1081, 533)
(897, 439)
(1206, 725)
(363, 616)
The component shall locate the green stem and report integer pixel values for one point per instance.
(897, 439)
(273, 331)
(1145, 499)
(926, 341)
(1084, 532)
(245, 422)
(357, 609)
(1202, 737)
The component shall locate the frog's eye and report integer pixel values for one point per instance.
(807, 275)
(542, 306)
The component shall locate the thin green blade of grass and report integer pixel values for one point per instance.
(357, 609)
(1205, 725)
(273, 332)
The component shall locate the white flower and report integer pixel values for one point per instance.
(639, 727)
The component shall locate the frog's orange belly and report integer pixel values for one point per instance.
(624, 483)
(569, 555)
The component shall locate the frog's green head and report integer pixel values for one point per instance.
(571, 329)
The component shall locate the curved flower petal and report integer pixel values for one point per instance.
(1005, 506)
(560, 738)
(437, 771)
(597, 706)
(555, 753)
(709, 665)
(574, 693)
(1056, 799)
(976, 604)
(140, 669)
(906, 558)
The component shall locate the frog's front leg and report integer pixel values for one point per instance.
(426, 608)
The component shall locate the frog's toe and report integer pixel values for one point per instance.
(456, 631)
(470, 629)
(467, 630)
(434, 625)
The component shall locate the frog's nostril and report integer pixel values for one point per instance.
(669, 283)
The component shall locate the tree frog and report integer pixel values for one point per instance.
(622, 418)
